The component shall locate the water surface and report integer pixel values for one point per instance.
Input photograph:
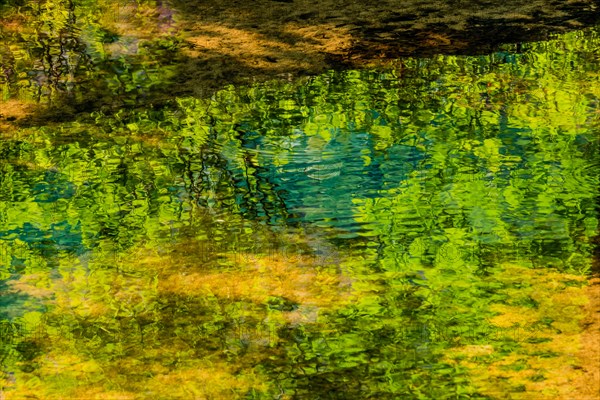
(417, 231)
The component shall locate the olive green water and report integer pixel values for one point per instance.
(421, 231)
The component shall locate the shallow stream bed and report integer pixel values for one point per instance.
(421, 228)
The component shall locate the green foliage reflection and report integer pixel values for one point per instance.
(351, 235)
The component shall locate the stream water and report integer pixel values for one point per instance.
(421, 230)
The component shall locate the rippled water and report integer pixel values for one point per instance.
(421, 231)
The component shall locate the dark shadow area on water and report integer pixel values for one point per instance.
(209, 45)
(391, 29)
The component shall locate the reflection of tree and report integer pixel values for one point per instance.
(55, 50)
(164, 249)
(87, 56)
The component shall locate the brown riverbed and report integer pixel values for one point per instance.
(232, 40)
(217, 43)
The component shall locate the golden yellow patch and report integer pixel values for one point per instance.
(264, 276)
(549, 361)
